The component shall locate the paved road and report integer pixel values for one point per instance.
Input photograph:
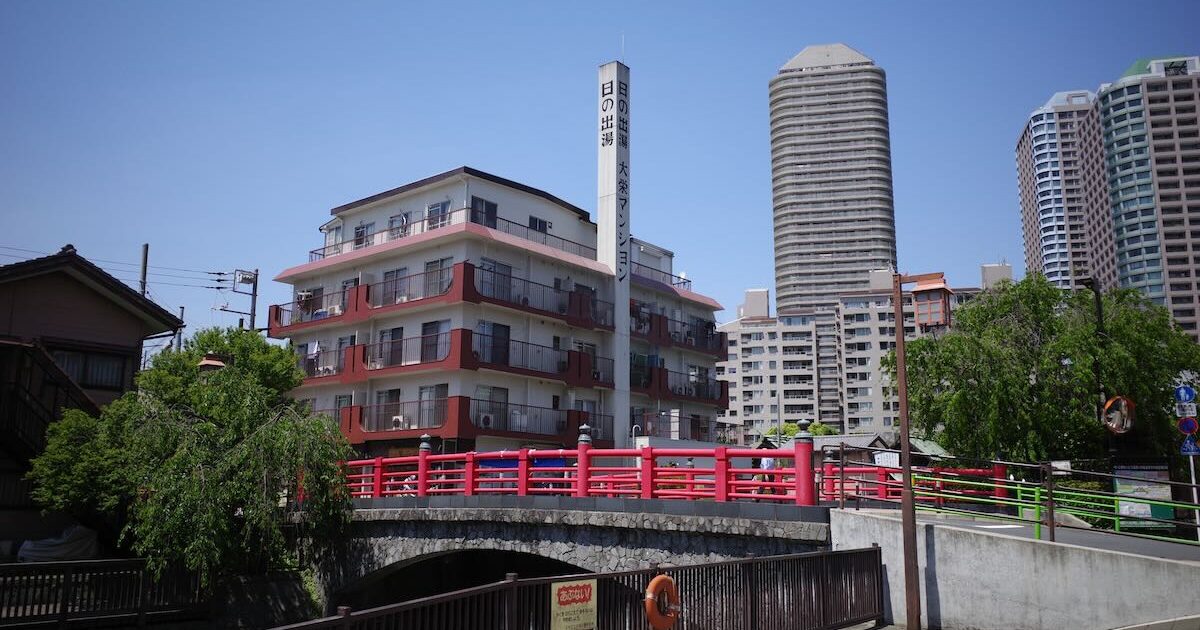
(1081, 537)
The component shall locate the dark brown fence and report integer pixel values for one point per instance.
(87, 592)
(812, 591)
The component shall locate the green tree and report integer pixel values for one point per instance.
(1014, 377)
(203, 469)
(790, 429)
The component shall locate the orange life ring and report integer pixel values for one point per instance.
(662, 584)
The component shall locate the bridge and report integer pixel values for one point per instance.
(555, 512)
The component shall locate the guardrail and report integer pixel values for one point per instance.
(819, 590)
(58, 593)
(1020, 492)
(719, 474)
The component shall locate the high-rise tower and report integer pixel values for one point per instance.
(831, 171)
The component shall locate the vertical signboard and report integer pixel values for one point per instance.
(612, 231)
(573, 605)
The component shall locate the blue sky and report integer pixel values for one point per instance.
(221, 133)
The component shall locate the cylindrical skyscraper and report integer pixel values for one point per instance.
(831, 169)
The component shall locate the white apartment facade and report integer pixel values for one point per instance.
(780, 368)
(473, 308)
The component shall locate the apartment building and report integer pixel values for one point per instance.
(779, 371)
(831, 176)
(1116, 195)
(473, 308)
(1059, 163)
(1152, 154)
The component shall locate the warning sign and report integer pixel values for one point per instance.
(573, 605)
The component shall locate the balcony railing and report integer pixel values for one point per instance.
(601, 425)
(441, 220)
(699, 335)
(537, 236)
(405, 415)
(490, 415)
(412, 287)
(518, 354)
(603, 369)
(683, 384)
(661, 276)
(322, 363)
(664, 425)
(602, 312)
(639, 375)
(521, 292)
(408, 351)
(309, 308)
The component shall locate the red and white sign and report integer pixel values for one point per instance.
(573, 605)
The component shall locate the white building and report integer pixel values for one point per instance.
(783, 368)
(473, 308)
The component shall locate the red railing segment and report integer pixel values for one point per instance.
(648, 473)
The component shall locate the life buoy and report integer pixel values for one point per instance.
(662, 585)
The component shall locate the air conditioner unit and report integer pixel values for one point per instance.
(485, 421)
(375, 364)
(335, 309)
(399, 422)
(516, 420)
(400, 299)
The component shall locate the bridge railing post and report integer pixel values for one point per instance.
(377, 478)
(999, 480)
(469, 474)
(583, 462)
(423, 466)
(523, 472)
(881, 479)
(647, 472)
(802, 451)
(827, 481)
(720, 475)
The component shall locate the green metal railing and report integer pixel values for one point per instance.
(1013, 491)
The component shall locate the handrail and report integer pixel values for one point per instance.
(412, 287)
(312, 308)
(851, 576)
(719, 474)
(441, 220)
(519, 354)
(664, 277)
(38, 593)
(408, 351)
(989, 490)
(505, 416)
(405, 415)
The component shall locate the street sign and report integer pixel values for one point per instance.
(1188, 425)
(1189, 447)
(1185, 394)
(1185, 410)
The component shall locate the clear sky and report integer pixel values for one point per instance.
(222, 133)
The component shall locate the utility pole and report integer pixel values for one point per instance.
(253, 298)
(145, 260)
(179, 333)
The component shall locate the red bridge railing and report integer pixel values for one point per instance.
(717, 474)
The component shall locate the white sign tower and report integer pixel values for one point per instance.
(612, 233)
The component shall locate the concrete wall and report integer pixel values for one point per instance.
(972, 580)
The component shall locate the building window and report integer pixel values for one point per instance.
(93, 370)
(539, 225)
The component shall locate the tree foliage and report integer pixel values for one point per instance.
(790, 429)
(203, 469)
(1015, 378)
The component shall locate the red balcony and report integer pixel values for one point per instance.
(458, 349)
(579, 308)
(460, 417)
(520, 357)
(683, 386)
(659, 330)
(462, 283)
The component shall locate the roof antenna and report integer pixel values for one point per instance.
(622, 47)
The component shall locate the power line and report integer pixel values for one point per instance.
(119, 262)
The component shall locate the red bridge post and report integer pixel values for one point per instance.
(803, 451)
(583, 462)
(423, 465)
